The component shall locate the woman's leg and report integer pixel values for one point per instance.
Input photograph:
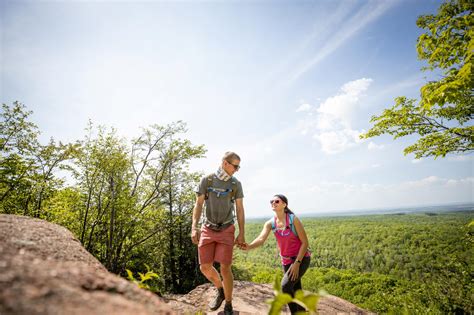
(291, 286)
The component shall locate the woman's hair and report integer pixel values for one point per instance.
(285, 200)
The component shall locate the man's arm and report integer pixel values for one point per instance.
(239, 204)
(197, 210)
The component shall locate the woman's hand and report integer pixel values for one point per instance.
(243, 246)
(294, 271)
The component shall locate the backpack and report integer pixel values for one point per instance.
(231, 190)
(291, 225)
(219, 192)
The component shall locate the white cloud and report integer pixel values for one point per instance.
(416, 161)
(461, 158)
(338, 140)
(460, 182)
(427, 181)
(304, 108)
(341, 107)
(425, 184)
(424, 191)
(373, 146)
(356, 87)
(331, 122)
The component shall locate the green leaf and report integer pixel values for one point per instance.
(278, 302)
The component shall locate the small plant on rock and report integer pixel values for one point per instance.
(143, 277)
(307, 300)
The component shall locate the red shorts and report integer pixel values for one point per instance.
(216, 246)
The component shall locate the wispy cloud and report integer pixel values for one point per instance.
(372, 146)
(364, 16)
(400, 87)
(428, 190)
(461, 158)
(321, 31)
(304, 108)
(422, 183)
(331, 123)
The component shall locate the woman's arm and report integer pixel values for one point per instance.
(259, 240)
(303, 238)
(294, 269)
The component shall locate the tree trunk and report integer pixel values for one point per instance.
(110, 241)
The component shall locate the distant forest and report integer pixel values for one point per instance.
(401, 263)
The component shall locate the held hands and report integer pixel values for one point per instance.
(240, 241)
(243, 246)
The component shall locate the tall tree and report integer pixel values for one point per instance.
(443, 115)
(18, 143)
(179, 262)
(27, 168)
(125, 192)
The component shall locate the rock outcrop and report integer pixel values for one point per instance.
(250, 298)
(45, 270)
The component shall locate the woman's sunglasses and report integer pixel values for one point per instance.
(274, 201)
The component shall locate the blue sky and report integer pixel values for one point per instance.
(289, 85)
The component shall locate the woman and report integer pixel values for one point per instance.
(292, 242)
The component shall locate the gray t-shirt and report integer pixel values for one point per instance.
(219, 209)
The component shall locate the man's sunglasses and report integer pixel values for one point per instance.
(236, 167)
(274, 201)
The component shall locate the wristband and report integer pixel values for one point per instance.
(298, 261)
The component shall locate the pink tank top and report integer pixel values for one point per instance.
(288, 243)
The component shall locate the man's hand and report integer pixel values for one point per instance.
(195, 235)
(240, 239)
(243, 246)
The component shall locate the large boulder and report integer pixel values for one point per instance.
(45, 270)
(251, 299)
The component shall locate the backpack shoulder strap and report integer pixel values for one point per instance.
(209, 184)
(292, 226)
(233, 189)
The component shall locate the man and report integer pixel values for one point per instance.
(222, 193)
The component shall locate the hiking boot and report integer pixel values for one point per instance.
(228, 309)
(214, 305)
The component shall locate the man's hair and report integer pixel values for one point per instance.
(229, 156)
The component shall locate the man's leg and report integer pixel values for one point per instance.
(211, 274)
(206, 260)
(224, 251)
(228, 281)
